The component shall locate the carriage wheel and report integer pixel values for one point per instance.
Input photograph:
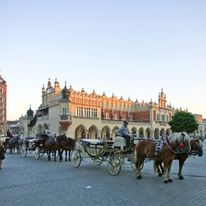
(36, 153)
(114, 165)
(76, 158)
(24, 150)
(133, 166)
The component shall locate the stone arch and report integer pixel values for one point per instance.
(156, 133)
(162, 132)
(141, 132)
(105, 133)
(148, 133)
(80, 132)
(134, 131)
(114, 132)
(92, 132)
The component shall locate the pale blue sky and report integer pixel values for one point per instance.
(127, 47)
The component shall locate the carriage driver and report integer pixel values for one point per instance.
(124, 132)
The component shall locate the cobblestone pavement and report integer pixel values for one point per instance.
(25, 181)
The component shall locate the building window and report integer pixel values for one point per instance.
(158, 117)
(64, 111)
(107, 115)
(163, 117)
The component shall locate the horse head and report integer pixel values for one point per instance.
(196, 147)
(180, 142)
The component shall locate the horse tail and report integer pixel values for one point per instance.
(135, 154)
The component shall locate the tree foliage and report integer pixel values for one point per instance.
(183, 122)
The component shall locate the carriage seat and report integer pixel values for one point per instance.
(96, 143)
(119, 142)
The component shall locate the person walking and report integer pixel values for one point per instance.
(2, 155)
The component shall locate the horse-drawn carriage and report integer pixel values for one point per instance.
(13, 143)
(99, 151)
(49, 145)
(31, 144)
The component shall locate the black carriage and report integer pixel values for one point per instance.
(100, 151)
(32, 144)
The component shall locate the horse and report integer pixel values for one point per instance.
(13, 143)
(146, 149)
(60, 143)
(67, 145)
(196, 149)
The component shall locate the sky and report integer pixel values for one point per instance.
(129, 48)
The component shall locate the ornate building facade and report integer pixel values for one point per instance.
(89, 115)
(3, 105)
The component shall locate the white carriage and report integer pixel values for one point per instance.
(99, 151)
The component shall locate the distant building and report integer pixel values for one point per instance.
(13, 127)
(199, 131)
(89, 115)
(204, 128)
(25, 123)
(3, 106)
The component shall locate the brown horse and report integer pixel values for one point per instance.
(175, 143)
(196, 149)
(146, 149)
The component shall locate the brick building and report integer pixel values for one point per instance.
(3, 104)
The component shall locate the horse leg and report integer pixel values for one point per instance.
(158, 168)
(167, 168)
(55, 155)
(49, 155)
(60, 151)
(138, 163)
(165, 175)
(10, 148)
(69, 155)
(66, 155)
(17, 149)
(181, 163)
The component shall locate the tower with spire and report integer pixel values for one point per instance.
(162, 101)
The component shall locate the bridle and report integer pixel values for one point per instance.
(195, 145)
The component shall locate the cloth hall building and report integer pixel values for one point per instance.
(79, 114)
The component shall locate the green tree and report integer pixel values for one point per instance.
(183, 122)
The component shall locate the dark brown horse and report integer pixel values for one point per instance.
(196, 149)
(59, 144)
(67, 145)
